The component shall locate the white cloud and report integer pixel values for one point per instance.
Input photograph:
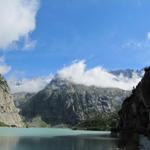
(97, 76)
(138, 44)
(4, 68)
(28, 43)
(18, 19)
(78, 73)
(28, 85)
(134, 44)
(148, 35)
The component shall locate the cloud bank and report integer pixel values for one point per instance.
(97, 76)
(29, 85)
(78, 73)
(18, 19)
(148, 35)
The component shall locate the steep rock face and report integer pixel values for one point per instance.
(68, 103)
(8, 112)
(21, 98)
(135, 111)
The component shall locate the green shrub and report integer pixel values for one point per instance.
(3, 124)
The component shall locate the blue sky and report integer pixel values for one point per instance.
(109, 33)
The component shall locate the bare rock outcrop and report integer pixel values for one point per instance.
(9, 115)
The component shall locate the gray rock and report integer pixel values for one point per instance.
(63, 102)
(21, 98)
(8, 112)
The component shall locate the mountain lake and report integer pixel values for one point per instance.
(54, 139)
(59, 139)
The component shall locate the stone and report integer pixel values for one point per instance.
(135, 112)
(64, 102)
(9, 114)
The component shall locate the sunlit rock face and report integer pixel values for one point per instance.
(135, 112)
(8, 112)
(64, 102)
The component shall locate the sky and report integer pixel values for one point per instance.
(40, 38)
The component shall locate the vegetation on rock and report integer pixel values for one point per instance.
(102, 122)
(3, 124)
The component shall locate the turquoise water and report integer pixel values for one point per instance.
(54, 139)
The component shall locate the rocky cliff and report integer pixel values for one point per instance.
(8, 112)
(63, 102)
(21, 98)
(135, 111)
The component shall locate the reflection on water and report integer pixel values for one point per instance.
(72, 141)
(134, 142)
(57, 143)
(8, 143)
(129, 141)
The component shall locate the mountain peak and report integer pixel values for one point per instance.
(69, 103)
(58, 82)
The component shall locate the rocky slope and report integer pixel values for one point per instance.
(63, 102)
(8, 112)
(21, 98)
(135, 111)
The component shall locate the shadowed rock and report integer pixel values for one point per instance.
(135, 112)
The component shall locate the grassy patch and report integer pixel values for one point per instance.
(3, 124)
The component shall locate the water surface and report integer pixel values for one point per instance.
(55, 139)
(65, 139)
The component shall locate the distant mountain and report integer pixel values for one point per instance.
(64, 102)
(21, 98)
(128, 73)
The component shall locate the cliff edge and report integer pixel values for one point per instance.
(9, 115)
(135, 112)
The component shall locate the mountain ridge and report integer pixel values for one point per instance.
(63, 102)
(19, 86)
